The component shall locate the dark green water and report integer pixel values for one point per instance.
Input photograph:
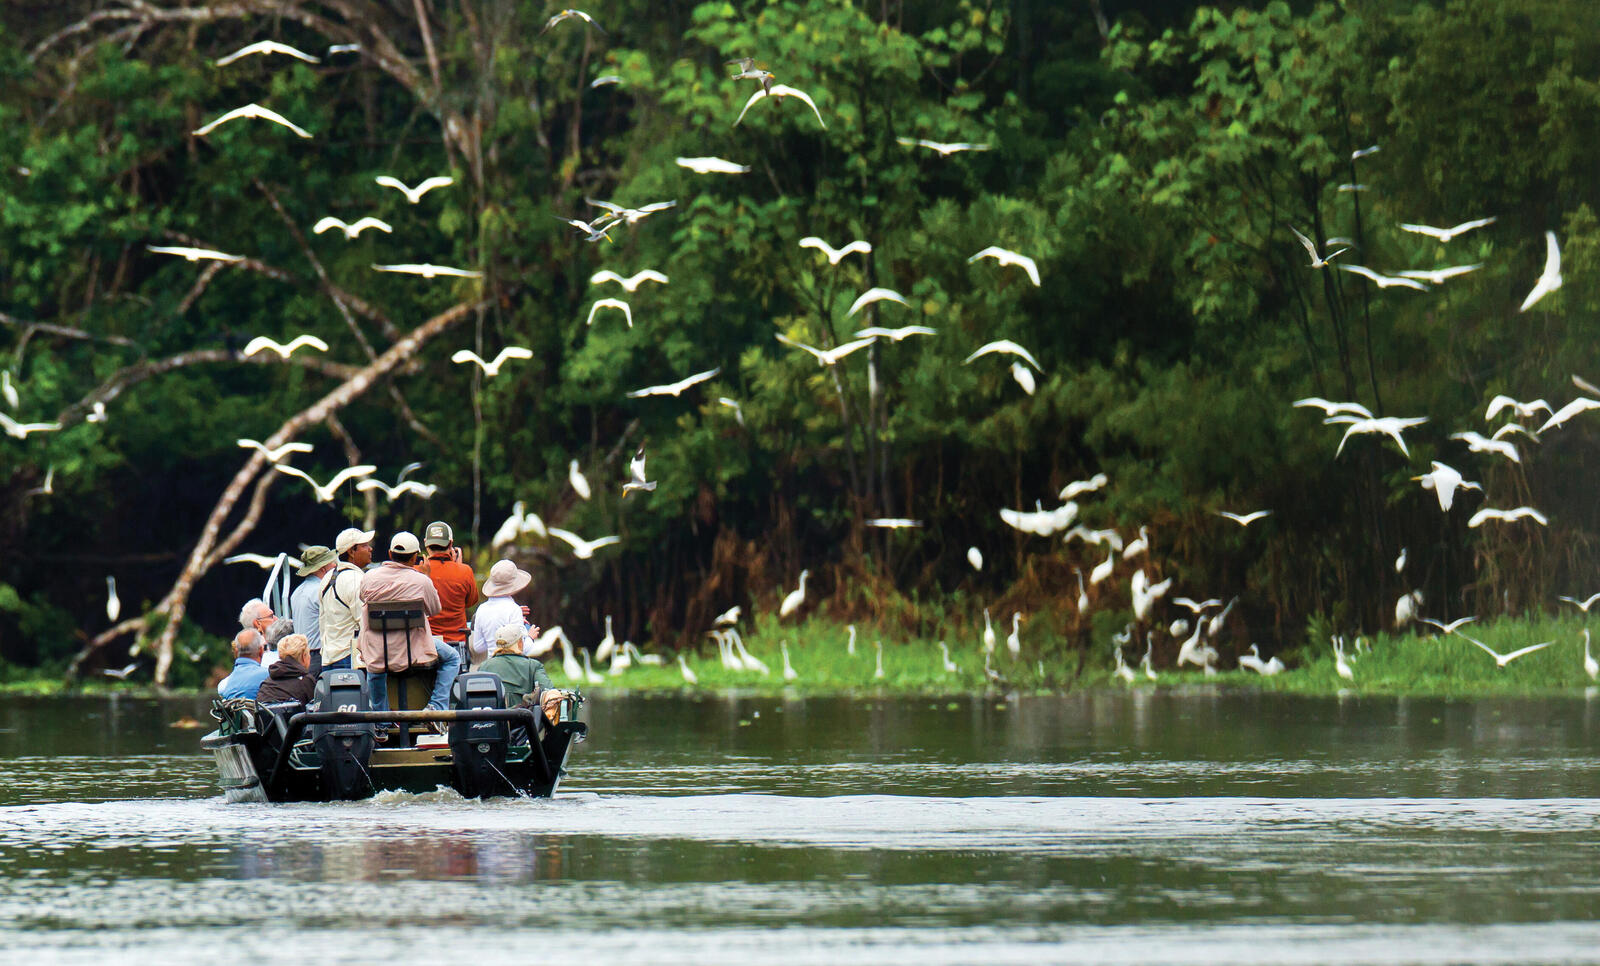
(1194, 828)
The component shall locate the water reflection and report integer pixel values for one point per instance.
(1200, 827)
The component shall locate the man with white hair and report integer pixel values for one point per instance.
(248, 673)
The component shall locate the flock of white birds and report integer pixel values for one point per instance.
(1195, 642)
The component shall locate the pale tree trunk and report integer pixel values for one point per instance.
(211, 545)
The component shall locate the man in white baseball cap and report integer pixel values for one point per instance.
(400, 578)
(339, 617)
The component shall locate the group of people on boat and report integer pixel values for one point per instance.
(331, 624)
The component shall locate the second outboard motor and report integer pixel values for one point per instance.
(479, 747)
(346, 749)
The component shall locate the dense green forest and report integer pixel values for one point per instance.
(1151, 157)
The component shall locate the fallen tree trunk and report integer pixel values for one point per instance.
(204, 553)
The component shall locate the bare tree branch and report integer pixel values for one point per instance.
(174, 605)
(140, 371)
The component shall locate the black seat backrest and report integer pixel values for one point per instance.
(395, 616)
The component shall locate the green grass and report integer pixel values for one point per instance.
(1405, 664)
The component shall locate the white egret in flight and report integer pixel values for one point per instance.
(252, 110)
(414, 195)
(491, 369)
(262, 343)
(1008, 257)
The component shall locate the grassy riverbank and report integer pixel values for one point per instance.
(1427, 664)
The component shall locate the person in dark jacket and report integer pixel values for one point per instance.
(289, 678)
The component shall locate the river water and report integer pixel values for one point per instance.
(1190, 827)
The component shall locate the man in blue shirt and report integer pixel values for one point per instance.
(248, 673)
(305, 604)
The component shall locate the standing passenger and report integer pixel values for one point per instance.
(306, 601)
(499, 608)
(400, 578)
(339, 606)
(455, 582)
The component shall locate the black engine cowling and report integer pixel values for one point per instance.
(479, 747)
(346, 749)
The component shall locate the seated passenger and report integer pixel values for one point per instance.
(500, 608)
(289, 678)
(524, 677)
(280, 628)
(400, 578)
(248, 673)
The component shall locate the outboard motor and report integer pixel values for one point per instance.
(346, 749)
(479, 747)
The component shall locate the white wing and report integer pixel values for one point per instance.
(1008, 257)
(712, 166)
(467, 355)
(610, 304)
(328, 222)
(368, 222)
(511, 352)
(783, 90)
(875, 295)
(349, 472)
(193, 254)
(264, 47)
(1005, 345)
(1550, 280)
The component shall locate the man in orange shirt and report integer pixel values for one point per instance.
(455, 582)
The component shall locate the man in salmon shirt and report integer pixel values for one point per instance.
(455, 582)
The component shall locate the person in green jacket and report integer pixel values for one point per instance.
(525, 678)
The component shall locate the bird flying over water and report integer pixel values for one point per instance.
(255, 111)
(631, 282)
(414, 195)
(1501, 660)
(674, 389)
(492, 369)
(264, 47)
(1443, 235)
(781, 90)
(324, 492)
(1550, 278)
(1008, 257)
(351, 231)
(262, 343)
(835, 254)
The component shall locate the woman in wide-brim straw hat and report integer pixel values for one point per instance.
(499, 608)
